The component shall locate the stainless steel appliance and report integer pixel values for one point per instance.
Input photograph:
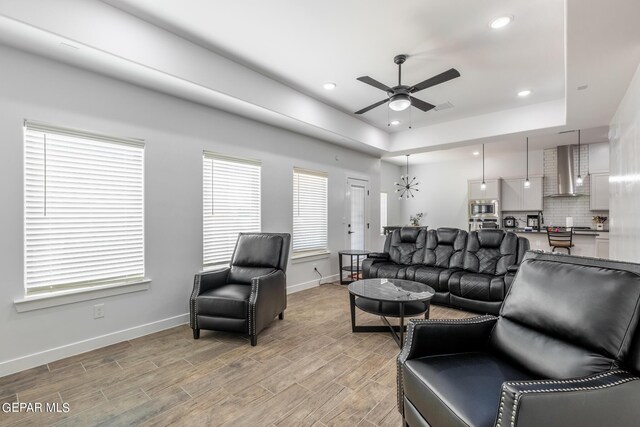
(483, 209)
(509, 222)
(533, 221)
(476, 224)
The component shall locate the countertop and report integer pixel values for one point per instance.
(587, 232)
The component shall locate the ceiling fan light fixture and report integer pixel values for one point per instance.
(400, 102)
(501, 22)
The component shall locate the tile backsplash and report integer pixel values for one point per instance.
(557, 209)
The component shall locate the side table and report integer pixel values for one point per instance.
(354, 267)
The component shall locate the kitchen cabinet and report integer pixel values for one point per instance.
(517, 198)
(492, 192)
(602, 245)
(599, 157)
(599, 200)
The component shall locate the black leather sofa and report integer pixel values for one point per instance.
(564, 351)
(471, 271)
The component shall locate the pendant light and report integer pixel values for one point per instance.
(527, 183)
(483, 186)
(406, 187)
(579, 178)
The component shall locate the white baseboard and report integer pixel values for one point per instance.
(311, 284)
(47, 356)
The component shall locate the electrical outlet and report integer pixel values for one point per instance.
(98, 311)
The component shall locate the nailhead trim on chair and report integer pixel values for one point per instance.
(519, 395)
(408, 346)
(253, 298)
(193, 319)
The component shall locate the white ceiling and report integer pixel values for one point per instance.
(511, 144)
(305, 44)
(282, 51)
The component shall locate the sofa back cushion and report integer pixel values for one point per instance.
(568, 317)
(490, 251)
(407, 245)
(257, 254)
(445, 248)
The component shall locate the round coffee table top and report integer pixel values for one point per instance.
(392, 290)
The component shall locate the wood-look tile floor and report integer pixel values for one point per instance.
(307, 370)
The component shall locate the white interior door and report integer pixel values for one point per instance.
(357, 213)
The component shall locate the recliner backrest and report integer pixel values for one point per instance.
(407, 245)
(257, 254)
(490, 251)
(445, 248)
(569, 317)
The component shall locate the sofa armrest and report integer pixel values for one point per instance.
(368, 262)
(608, 398)
(513, 269)
(268, 299)
(203, 282)
(432, 337)
(379, 255)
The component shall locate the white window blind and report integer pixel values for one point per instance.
(231, 204)
(84, 209)
(383, 212)
(309, 211)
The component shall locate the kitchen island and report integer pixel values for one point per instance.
(590, 243)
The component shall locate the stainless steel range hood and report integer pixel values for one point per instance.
(566, 174)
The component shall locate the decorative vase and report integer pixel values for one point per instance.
(599, 226)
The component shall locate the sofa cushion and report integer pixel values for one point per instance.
(387, 270)
(407, 245)
(230, 300)
(491, 251)
(477, 286)
(582, 321)
(445, 248)
(458, 389)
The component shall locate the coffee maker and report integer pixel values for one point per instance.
(535, 221)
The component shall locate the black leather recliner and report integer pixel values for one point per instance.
(564, 351)
(443, 256)
(249, 294)
(481, 285)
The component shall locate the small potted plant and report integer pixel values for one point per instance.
(599, 220)
(414, 220)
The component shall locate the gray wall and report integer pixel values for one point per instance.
(176, 132)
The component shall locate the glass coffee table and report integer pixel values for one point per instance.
(389, 298)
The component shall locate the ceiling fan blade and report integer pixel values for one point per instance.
(368, 80)
(372, 106)
(420, 104)
(436, 80)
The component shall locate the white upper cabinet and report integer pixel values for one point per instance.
(492, 192)
(517, 198)
(599, 192)
(599, 157)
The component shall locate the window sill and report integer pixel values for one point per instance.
(306, 257)
(53, 299)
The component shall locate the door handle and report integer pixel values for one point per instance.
(350, 232)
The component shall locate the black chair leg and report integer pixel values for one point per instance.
(196, 334)
(281, 316)
(254, 340)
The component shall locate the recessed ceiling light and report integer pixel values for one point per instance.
(476, 153)
(329, 86)
(524, 93)
(395, 122)
(501, 22)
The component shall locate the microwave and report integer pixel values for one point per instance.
(483, 209)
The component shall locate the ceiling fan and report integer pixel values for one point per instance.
(399, 97)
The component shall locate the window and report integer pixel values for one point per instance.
(383, 212)
(230, 203)
(84, 209)
(309, 212)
